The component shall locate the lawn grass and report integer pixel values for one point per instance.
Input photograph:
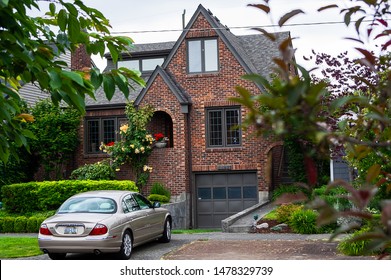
(21, 247)
(18, 247)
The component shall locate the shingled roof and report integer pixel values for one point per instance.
(254, 52)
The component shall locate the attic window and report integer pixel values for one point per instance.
(142, 64)
(202, 55)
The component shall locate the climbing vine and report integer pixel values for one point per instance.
(134, 145)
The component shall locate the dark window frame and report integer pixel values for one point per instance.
(202, 40)
(88, 145)
(224, 131)
(140, 62)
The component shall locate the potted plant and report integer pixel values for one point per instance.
(161, 140)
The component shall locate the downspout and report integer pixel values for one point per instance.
(190, 166)
(331, 169)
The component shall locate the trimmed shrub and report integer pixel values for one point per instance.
(20, 198)
(284, 212)
(304, 221)
(20, 224)
(159, 198)
(8, 224)
(95, 171)
(159, 188)
(33, 224)
(49, 195)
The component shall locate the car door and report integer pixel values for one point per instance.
(137, 219)
(153, 218)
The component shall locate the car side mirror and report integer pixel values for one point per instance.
(156, 204)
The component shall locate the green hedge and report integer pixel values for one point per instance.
(49, 195)
(21, 224)
(159, 198)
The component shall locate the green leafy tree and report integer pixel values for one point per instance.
(21, 166)
(135, 144)
(30, 53)
(101, 170)
(302, 106)
(57, 136)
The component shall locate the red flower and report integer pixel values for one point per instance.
(110, 144)
(158, 136)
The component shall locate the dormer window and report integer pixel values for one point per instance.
(202, 56)
(142, 64)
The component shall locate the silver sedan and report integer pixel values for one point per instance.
(104, 222)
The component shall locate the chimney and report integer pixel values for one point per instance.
(80, 59)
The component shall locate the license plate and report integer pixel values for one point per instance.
(70, 230)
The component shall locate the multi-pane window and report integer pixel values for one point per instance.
(101, 130)
(142, 65)
(223, 127)
(202, 55)
(108, 131)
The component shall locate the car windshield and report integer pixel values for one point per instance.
(88, 205)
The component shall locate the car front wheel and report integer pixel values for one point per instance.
(126, 247)
(166, 232)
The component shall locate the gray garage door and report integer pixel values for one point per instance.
(222, 195)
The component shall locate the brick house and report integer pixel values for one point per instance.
(215, 168)
(214, 171)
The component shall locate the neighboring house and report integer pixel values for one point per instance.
(217, 168)
(32, 93)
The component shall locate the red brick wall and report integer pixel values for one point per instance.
(168, 163)
(206, 90)
(171, 165)
(80, 59)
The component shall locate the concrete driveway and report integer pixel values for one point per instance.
(232, 246)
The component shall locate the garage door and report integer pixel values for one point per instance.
(222, 195)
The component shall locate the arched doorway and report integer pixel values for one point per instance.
(161, 122)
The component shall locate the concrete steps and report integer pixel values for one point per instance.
(243, 221)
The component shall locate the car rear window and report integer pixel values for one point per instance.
(88, 205)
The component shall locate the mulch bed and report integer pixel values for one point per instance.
(272, 223)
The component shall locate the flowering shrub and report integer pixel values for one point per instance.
(134, 145)
(95, 171)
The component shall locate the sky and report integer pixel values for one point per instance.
(149, 21)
